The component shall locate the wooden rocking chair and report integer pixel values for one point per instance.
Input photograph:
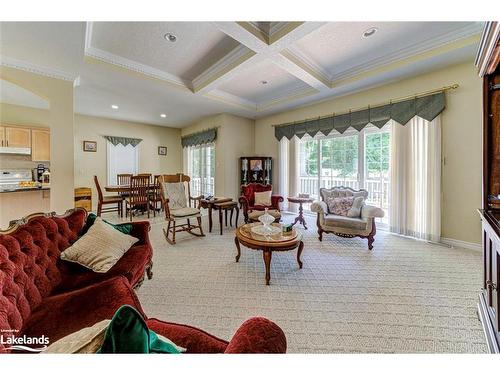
(177, 206)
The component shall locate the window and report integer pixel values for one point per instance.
(356, 160)
(122, 159)
(201, 169)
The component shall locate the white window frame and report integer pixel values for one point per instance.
(112, 169)
(361, 175)
(202, 190)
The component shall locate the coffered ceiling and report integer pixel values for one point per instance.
(250, 69)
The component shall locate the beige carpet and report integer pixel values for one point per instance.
(405, 296)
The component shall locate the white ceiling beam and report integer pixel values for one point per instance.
(251, 37)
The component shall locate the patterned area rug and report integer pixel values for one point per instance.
(405, 296)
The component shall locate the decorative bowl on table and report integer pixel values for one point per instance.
(266, 228)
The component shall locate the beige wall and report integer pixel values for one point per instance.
(59, 94)
(235, 138)
(88, 164)
(462, 139)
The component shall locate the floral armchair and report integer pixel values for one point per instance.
(251, 212)
(344, 226)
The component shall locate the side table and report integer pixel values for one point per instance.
(210, 204)
(300, 201)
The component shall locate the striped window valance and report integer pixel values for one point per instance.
(203, 137)
(123, 140)
(427, 107)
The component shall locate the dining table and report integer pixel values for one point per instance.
(125, 188)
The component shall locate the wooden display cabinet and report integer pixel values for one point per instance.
(256, 169)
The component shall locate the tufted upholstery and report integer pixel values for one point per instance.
(42, 295)
(31, 271)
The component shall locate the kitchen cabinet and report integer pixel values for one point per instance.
(17, 137)
(2, 136)
(40, 144)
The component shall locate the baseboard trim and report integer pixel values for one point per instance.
(462, 244)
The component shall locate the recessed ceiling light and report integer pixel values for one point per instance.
(170, 37)
(368, 33)
(163, 115)
(263, 82)
(114, 106)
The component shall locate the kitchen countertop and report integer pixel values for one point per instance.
(20, 190)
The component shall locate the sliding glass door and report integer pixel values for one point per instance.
(353, 159)
(201, 169)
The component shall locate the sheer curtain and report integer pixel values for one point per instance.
(415, 201)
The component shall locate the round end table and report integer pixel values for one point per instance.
(300, 201)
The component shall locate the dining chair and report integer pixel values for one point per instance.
(146, 174)
(138, 196)
(114, 200)
(155, 195)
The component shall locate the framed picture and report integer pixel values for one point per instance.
(162, 150)
(89, 146)
(255, 164)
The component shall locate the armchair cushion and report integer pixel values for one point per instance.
(175, 192)
(345, 222)
(185, 212)
(345, 206)
(255, 214)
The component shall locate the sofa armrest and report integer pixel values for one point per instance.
(319, 207)
(258, 335)
(275, 201)
(368, 211)
(140, 230)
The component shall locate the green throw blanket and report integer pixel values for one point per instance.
(128, 333)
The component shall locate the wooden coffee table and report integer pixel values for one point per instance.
(277, 242)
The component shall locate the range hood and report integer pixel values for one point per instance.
(15, 150)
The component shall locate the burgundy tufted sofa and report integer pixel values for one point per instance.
(42, 295)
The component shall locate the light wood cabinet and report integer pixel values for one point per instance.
(17, 137)
(40, 145)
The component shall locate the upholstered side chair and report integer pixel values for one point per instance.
(176, 202)
(252, 211)
(344, 226)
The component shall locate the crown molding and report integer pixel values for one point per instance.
(286, 98)
(228, 98)
(293, 54)
(36, 69)
(410, 51)
(234, 58)
(134, 66)
(125, 63)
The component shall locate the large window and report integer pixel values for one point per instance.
(121, 159)
(357, 160)
(201, 169)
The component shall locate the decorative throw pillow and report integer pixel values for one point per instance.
(128, 333)
(357, 204)
(175, 192)
(263, 198)
(124, 228)
(345, 206)
(85, 341)
(100, 248)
